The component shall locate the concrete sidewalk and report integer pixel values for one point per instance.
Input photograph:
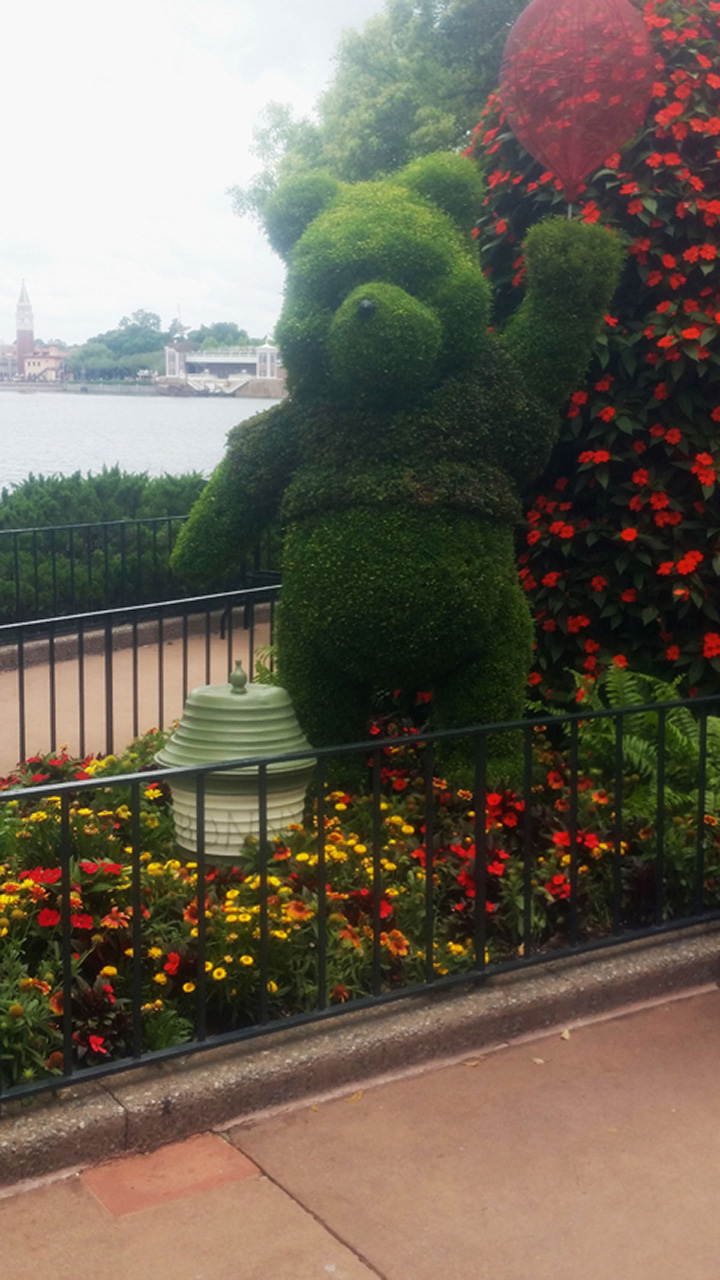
(590, 1152)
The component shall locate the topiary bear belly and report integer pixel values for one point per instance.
(397, 593)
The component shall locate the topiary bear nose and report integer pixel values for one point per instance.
(383, 345)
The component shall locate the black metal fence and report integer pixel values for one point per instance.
(122, 949)
(65, 569)
(83, 680)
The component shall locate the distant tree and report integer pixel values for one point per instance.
(223, 333)
(412, 81)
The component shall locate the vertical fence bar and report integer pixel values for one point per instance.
(184, 656)
(377, 886)
(81, 685)
(66, 944)
(109, 721)
(137, 956)
(22, 736)
(201, 1007)
(574, 833)
(161, 673)
(322, 886)
(106, 563)
(168, 571)
(618, 841)
(251, 643)
(230, 640)
(138, 554)
(53, 570)
(36, 579)
(16, 570)
(660, 821)
(52, 676)
(527, 843)
(702, 784)
(135, 682)
(207, 647)
(71, 556)
(154, 560)
(264, 933)
(123, 564)
(481, 859)
(90, 548)
(429, 863)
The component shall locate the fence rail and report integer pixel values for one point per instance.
(65, 569)
(83, 680)
(411, 887)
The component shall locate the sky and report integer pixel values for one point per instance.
(123, 127)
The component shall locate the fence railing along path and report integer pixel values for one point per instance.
(67, 569)
(230, 926)
(93, 681)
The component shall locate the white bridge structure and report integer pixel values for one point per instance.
(222, 370)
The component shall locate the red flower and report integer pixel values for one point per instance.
(96, 1044)
(673, 653)
(711, 645)
(629, 534)
(620, 660)
(48, 918)
(629, 596)
(598, 583)
(83, 921)
(172, 963)
(534, 677)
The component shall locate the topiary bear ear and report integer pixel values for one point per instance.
(295, 204)
(451, 181)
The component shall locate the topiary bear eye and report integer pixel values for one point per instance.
(365, 308)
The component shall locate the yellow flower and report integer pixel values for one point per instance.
(232, 894)
(188, 987)
(160, 978)
(272, 988)
(407, 830)
(219, 973)
(129, 952)
(228, 959)
(208, 966)
(303, 857)
(84, 813)
(122, 812)
(154, 953)
(246, 960)
(154, 868)
(109, 971)
(360, 848)
(244, 917)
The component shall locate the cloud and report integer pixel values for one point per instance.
(129, 123)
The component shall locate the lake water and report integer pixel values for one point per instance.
(50, 433)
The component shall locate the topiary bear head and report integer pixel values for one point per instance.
(385, 296)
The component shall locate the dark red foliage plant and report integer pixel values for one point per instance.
(621, 553)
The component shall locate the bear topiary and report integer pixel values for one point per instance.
(396, 464)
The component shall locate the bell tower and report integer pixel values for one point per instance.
(25, 342)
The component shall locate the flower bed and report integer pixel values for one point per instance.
(554, 867)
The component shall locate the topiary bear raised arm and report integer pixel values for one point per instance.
(396, 465)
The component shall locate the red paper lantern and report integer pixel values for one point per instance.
(575, 83)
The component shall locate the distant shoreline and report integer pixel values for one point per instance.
(78, 388)
(256, 389)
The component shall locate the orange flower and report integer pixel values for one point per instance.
(297, 910)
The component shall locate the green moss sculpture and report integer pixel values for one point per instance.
(396, 465)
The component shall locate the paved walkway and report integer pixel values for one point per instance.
(147, 691)
(593, 1155)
